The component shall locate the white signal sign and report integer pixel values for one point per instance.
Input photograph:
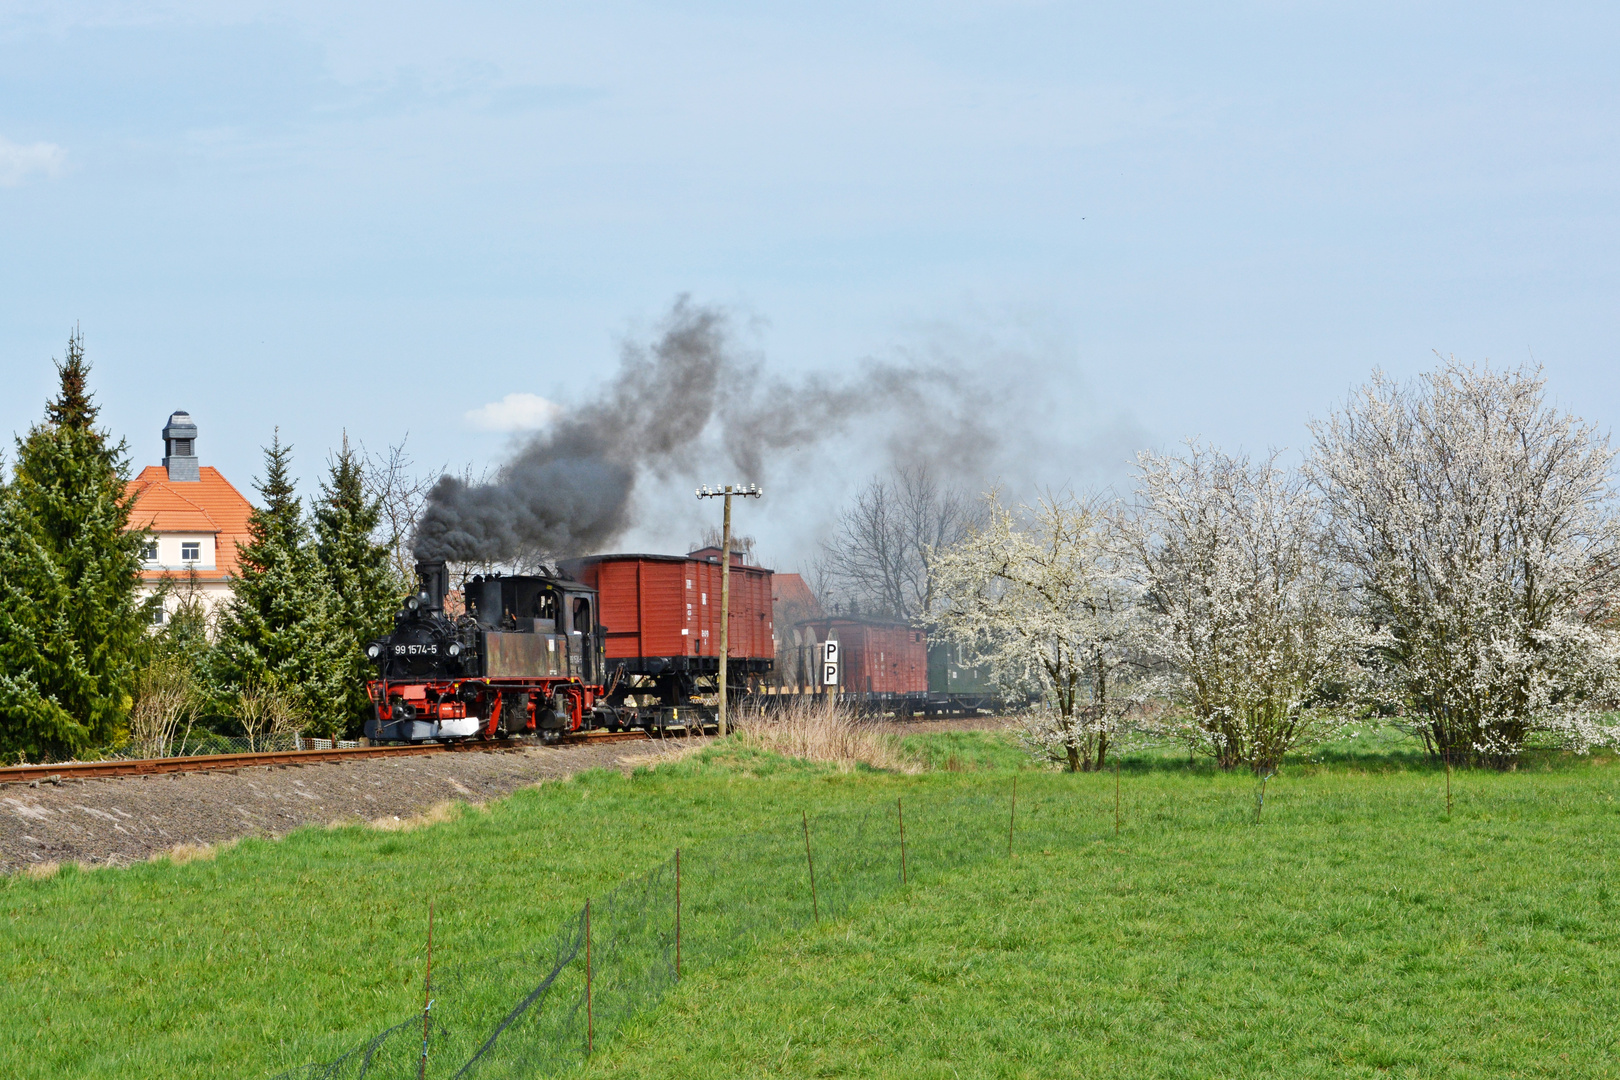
(829, 662)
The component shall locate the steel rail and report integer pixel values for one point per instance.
(82, 770)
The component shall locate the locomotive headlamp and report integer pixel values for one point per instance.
(455, 649)
(373, 651)
(412, 603)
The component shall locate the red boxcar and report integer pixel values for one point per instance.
(877, 657)
(662, 612)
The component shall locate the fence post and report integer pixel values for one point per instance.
(427, 998)
(815, 906)
(1013, 817)
(1116, 793)
(677, 914)
(590, 1026)
(1445, 752)
(902, 811)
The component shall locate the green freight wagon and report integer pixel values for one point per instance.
(955, 688)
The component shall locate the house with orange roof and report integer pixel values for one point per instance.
(193, 519)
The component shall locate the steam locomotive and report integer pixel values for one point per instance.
(530, 654)
(526, 656)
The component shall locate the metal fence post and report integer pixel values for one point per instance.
(1116, 794)
(815, 906)
(900, 808)
(590, 1027)
(427, 998)
(1013, 817)
(677, 914)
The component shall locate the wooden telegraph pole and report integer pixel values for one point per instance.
(751, 491)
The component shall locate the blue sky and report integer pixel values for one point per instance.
(1163, 220)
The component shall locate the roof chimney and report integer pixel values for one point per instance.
(180, 448)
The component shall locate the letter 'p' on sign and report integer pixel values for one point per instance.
(829, 663)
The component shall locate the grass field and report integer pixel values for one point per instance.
(1356, 930)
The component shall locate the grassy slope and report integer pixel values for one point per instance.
(1356, 932)
(1355, 929)
(278, 953)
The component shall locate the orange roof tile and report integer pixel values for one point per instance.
(791, 591)
(208, 504)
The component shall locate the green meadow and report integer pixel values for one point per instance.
(1356, 929)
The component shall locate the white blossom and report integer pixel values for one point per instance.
(1477, 525)
(1241, 607)
(1046, 606)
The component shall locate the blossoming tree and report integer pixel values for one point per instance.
(1043, 603)
(1478, 524)
(1240, 606)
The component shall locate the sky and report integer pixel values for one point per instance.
(1151, 221)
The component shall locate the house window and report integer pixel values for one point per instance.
(157, 616)
(190, 550)
(149, 552)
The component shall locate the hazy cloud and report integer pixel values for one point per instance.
(18, 162)
(515, 412)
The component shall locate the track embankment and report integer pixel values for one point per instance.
(124, 819)
(89, 770)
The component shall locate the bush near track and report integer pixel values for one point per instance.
(1355, 931)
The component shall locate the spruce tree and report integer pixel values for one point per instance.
(280, 628)
(365, 588)
(72, 631)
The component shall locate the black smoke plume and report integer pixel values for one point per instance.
(689, 398)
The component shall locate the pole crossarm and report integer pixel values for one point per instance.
(751, 491)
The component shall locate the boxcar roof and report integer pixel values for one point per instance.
(659, 558)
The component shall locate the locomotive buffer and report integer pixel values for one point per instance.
(752, 491)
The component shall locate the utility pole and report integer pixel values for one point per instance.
(750, 492)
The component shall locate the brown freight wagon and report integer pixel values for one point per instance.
(876, 657)
(662, 613)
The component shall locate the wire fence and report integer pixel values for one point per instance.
(197, 743)
(546, 1009)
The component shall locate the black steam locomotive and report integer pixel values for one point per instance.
(526, 656)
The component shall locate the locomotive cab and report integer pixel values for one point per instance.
(560, 614)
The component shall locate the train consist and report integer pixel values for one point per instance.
(612, 642)
(617, 642)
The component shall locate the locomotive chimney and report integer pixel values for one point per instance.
(435, 580)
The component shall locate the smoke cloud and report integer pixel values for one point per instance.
(693, 398)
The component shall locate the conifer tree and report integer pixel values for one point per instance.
(72, 632)
(280, 629)
(187, 629)
(359, 570)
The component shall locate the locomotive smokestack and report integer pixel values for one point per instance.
(435, 579)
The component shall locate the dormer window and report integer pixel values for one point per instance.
(149, 552)
(190, 550)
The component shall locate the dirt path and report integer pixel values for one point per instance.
(126, 819)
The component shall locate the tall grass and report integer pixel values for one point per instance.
(820, 729)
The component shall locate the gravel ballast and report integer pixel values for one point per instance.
(121, 820)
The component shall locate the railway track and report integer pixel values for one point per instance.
(85, 770)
